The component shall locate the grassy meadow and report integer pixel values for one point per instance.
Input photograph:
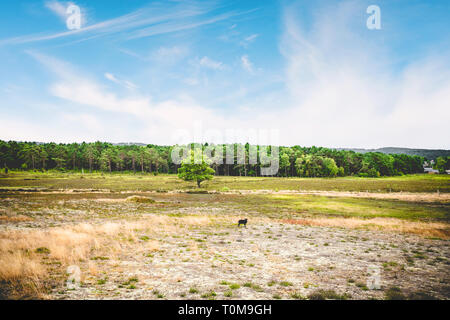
(149, 182)
(136, 236)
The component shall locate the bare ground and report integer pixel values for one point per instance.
(295, 259)
(128, 250)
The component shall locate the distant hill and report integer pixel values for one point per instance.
(430, 154)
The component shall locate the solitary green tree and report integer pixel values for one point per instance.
(198, 170)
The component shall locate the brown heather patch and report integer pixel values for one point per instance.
(425, 229)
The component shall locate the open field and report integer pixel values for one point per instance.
(156, 237)
(149, 182)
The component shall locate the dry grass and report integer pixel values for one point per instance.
(140, 199)
(19, 218)
(425, 229)
(33, 260)
(26, 254)
(124, 182)
(403, 196)
(133, 198)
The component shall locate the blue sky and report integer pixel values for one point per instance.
(155, 71)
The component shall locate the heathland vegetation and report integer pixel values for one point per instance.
(53, 180)
(141, 236)
(135, 230)
(294, 161)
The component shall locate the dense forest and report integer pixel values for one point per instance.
(293, 161)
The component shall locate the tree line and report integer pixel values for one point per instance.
(294, 161)
(442, 164)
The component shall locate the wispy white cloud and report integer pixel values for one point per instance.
(102, 28)
(130, 85)
(57, 8)
(177, 25)
(125, 83)
(246, 63)
(131, 53)
(167, 121)
(340, 91)
(211, 64)
(111, 77)
(157, 119)
(344, 92)
(247, 40)
(152, 20)
(170, 55)
(251, 38)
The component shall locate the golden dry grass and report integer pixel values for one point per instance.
(140, 199)
(18, 218)
(27, 255)
(22, 252)
(403, 196)
(425, 229)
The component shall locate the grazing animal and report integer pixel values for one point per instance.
(243, 222)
